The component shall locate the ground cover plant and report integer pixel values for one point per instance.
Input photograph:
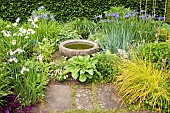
(27, 66)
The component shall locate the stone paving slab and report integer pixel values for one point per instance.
(83, 97)
(107, 97)
(58, 98)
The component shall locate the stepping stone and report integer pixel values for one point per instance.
(83, 97)
(107, 97)
(58, 98)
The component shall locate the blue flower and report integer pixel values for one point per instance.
(124, 10)
(107, 21)
(142, 17)
(116, 15)
(33, 12)
(160, 18)
(36, 16)
(128, 14)
(45, 16)
(51, 17)
(106, 15)
(155, 15)
(112, 14)
(99, 16)
(41, 7)
(148, 17)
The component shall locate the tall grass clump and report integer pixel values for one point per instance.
(123, 27)
(143, 86)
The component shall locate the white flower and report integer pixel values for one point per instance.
(22, 30)
(30, 20)
(13, 59)
(35, 19)
(18, 19)
(12, 52)
(26, 37)
(14, 34)
(3, 31)
(13, 42)
(40, 57)
(44, 39)
(19, 50)
(35, 25)
(31, 31)
(24, 69)
(123, 53)
(20, 34)
(8, 26)
(7, 34)
(14, 24)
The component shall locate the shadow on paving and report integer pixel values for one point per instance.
(61, 97)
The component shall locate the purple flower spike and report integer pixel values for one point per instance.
(128, 14)
(45, 16)
(112, 14)
(160, 18)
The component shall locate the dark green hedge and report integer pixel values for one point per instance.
(66, 9)
(168, 12)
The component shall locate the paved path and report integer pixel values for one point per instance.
(60, 97)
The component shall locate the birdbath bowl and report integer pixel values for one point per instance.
(71, 48)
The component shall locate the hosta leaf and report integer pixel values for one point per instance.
(89, 76)
(75, 73)
(82, 78)
(90, 71)
(82, 72)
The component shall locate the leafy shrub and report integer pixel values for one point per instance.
(157, 53)
(141, 85)
(107, 65)
(82, 67)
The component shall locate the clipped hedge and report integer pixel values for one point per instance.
(168, 12)
(66, 9)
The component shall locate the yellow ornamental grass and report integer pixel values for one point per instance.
(141, 85)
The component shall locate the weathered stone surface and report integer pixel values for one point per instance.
(83, 97)
(58, 98)
(107, 97)
(74, 52)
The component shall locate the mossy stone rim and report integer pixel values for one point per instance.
(74, 52)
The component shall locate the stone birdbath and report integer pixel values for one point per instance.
(77, 47)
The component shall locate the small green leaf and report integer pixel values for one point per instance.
(90, 71)
(82, 78)
(89, 76)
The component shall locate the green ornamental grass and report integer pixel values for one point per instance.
(141, 85)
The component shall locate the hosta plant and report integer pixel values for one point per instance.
(81, 67)
(143, 86)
